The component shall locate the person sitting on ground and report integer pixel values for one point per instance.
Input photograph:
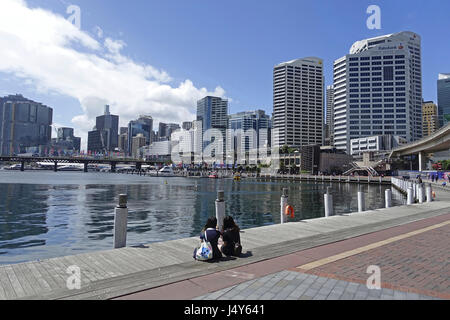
(231, 238)
(212, 236)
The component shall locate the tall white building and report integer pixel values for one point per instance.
(298, 88)
(378, 89)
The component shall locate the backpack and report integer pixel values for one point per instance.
(204, 252)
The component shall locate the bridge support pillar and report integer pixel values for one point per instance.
(55, 167)
(85, 167)
(113, 167)
(22, 166)
(421, 161)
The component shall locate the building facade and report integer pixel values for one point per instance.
(378, 90)
(23, 124)
(213, 114)
(430, 118)
(329, 127)
(443, 87)
(248, 136)
(298, 89)
(376, 144)
(144, 126)
(105, 136)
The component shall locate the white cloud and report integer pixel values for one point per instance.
(45, 49)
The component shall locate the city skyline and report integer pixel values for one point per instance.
(255, 89)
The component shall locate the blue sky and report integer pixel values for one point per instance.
(235, 44)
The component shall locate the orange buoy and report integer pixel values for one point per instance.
(290, 211)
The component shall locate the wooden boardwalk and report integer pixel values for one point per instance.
(112, 273)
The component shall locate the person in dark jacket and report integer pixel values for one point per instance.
(231, 238)
(212, 235)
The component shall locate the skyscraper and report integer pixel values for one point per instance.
(23, 123)
(430, 121)
(444, 98)
(105, 136)
(187, 125)
(213, 113)
(143, 125)
(378, 89)
(330, 116)
(298, 88)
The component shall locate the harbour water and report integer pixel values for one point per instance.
(46, 214)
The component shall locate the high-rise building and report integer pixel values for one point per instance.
(430, 121)
(249, 130)
(298, 88)
(166, 130)
(378, 89)
(329, 116)
(23, 123)
(444, 98)
(187, 125)
(106, 138)
(66, 142)
(138, 142)
(143, 125)
(213, 113)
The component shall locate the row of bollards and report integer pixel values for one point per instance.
(121, 218)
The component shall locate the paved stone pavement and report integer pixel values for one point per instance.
(419, 263)
(291, 285)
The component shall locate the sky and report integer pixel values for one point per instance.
(160, 57)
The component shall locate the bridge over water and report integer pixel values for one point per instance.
(113, 162)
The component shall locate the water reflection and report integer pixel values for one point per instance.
(74, 212)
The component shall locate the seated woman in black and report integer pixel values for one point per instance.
(212, 236)
(231, 238)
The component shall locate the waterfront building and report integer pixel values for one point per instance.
(378, 89)
(158, 149)
(213, 114)
(105, 136)
(430, 118)
(329, 128)
(443, 87)
(298, 89)
(138, 142)
(381, 143)
(23, 124)
(66, 143)
(248, 133)
(144, 126)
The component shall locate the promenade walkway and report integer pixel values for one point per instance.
(121, 272)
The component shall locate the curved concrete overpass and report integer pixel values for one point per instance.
(438, 141)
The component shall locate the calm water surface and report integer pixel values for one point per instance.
(45, 214)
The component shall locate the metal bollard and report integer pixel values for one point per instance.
(429, 193)
(410, 198)
(361, 202)
(328, 200)
(220, 209)
(421, 193)
(120, 223)
(388, 198)
(284, 204)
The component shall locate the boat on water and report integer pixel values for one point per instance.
(213, 175)
(166, 171)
